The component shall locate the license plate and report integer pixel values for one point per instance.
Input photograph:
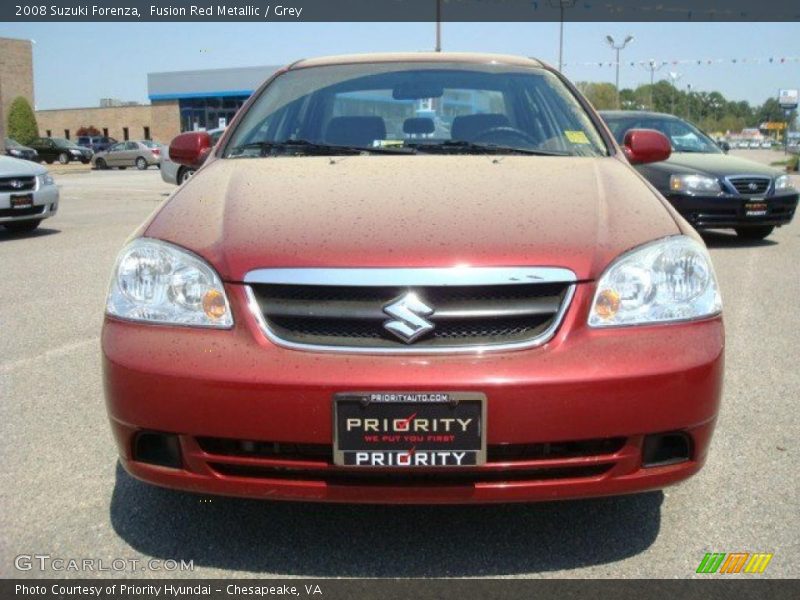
(22, 201)
(409, 429)
(755, 209)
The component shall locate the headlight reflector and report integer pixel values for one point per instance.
(694, 184)
(45, 179)
(784, 182)
(157, 282)
(668, 280)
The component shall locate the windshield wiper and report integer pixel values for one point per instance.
(462, 147)
(307, 147)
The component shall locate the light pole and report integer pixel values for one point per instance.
(617, 48)
(561, 5)
(438, 47)
(653, 65)
(675, 77)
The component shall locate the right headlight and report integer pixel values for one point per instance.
(671, 279)
(782, 183)
(157, 282)
(694, 184)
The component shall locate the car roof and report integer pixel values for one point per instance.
(443, 57)
(636, 113)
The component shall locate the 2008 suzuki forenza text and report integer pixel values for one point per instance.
(414, 278)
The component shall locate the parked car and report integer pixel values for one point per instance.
(176, 174)
(27, 194)
(140, 154)
(16, 150)
(332, 309)
(755, 144)
(60, 149)
(766, 145)
(711, 189)
(96, 143)
(743, 144)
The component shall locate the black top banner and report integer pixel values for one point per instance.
(403, 10)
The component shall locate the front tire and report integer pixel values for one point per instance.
(63, 158)
(100, 164)
(184, 174)
(22, 226)
(141, 163)
(754, 233)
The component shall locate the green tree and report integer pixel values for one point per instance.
(603, 96)
(22, 122)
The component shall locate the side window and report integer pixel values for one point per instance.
(131, 146)
(116, 148)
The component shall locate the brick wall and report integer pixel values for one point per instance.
(163, 119)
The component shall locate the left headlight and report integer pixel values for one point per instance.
(667, 280)
(76, 152)
(694, 184)
(157, 282)
(784, 182)
(45, 179)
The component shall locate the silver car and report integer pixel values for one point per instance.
(140, 154)
(27, 194)
(176, 174)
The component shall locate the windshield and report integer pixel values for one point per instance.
(416, 108)
(683, 136)
(65, 142)
(12, 143)
(150, 143)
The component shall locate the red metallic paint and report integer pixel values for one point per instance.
(190, 149)
(643, 146)
(583, 384)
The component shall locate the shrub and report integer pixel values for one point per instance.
(22, 122)
(90, 130)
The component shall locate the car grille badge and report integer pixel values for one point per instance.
(408, 312)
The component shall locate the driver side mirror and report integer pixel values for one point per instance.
(725, 147)
(190, 149)
(642, 146)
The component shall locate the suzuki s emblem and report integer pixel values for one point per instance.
(408, 312)
(16, 184)
(752, 186)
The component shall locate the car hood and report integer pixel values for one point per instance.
(9, 167)
(720, 165)
(412, 211)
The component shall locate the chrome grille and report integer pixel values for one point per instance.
(349, 309)
(750, 186)
(17, 184)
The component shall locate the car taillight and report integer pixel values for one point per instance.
(156, 151)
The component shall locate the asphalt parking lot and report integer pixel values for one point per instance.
(63, 493)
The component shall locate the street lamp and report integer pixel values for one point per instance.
(618, 47)
(561, 5)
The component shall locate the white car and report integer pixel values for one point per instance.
(755, 144)
(766, 145)
(27, 194)
(176, 174)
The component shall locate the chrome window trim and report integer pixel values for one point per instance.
(402, 277)
(394, 277)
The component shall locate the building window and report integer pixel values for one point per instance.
(66, 133)
(49, 133)
(125, 133)
(105, 131)
(147, 133)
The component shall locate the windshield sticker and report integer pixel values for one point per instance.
(577, 137)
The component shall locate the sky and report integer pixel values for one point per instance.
(76, 64)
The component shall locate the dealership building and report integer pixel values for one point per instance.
(179, 101)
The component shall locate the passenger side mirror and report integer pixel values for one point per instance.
(642, 146)
(190, 149)
(725, 147)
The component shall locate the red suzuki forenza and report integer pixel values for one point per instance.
(414, 278)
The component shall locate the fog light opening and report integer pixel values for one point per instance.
(663, 449)
(162, 449)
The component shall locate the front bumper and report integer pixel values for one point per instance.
(710, 212)
(45, 204)
(584, 384)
